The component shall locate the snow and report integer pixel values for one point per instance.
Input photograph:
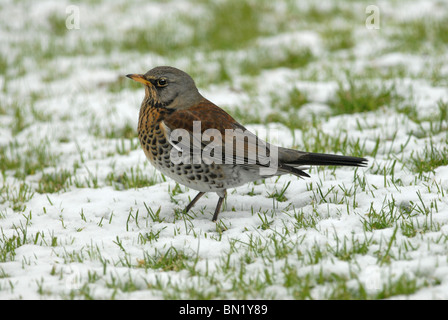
(90, 231)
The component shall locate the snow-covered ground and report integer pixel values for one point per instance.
(84, 215)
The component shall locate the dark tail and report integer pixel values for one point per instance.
(291, 161)
(323, 159)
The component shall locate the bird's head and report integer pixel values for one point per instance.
(168, 87)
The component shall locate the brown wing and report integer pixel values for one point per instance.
(208, 113)
(217, 130)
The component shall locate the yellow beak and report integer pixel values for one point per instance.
(139, 78)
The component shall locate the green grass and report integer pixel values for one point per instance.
(381, 219)
(57, 24)
(155, 38)
(121, 83)
(431, 124)
(128, 131)
(16, 197)
(21, 236)
(421, 35)
(125, 146)
(54, 182)
(286, 110)
(338, 38)
(430, 158)
(364, 97)
(244, 116)
(170, 260)
(271, 58)
(229, 25)
(134, 179)
(340, 142)
(3, 64)
(280, 195)
(26, 160)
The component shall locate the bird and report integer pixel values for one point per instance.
(199, 145)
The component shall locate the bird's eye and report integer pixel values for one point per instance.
(162, 82)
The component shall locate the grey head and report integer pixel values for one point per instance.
(170, 87)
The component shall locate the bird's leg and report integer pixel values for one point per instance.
(193, 202)
(219, 205)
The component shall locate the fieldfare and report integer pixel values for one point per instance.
(199, 145)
